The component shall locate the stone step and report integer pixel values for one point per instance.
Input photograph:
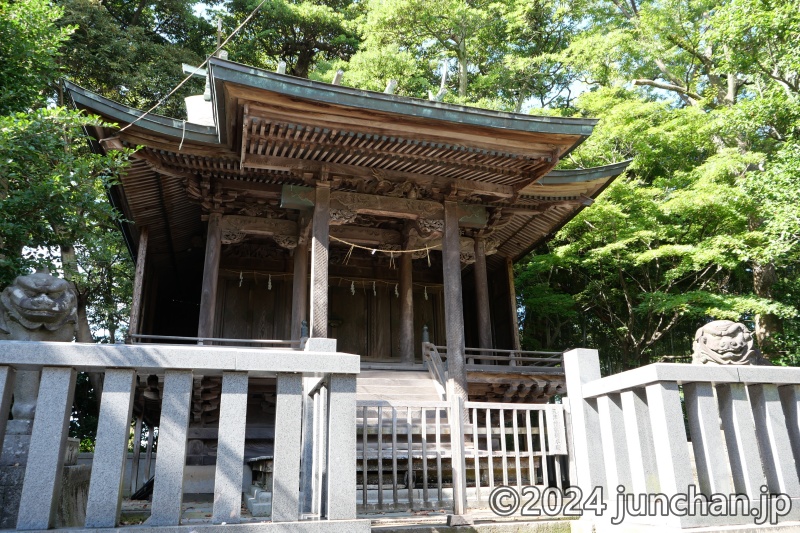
(397, 386)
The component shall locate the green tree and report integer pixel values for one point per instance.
(52, 187)
(451, 28)
(523, 65)
(30, 42)
(703, 227)
(132, 52)
(300, 33)
(53, 198)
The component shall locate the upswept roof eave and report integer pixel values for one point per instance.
(124, 115)
(585, 174)
(228, 71)
(602, 175)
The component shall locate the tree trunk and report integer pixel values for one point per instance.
(767, 325)
(84, 333)
(462, 68)
(303, 64)
(70, 266)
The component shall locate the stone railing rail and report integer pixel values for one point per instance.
(629, 431)
(59, 362)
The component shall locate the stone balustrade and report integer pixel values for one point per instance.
(632, 441)
(59, 363)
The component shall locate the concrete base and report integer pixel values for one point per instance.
(13, 459)
(74, 495)
(519, 526)
(455, 520)
(71, 511)
(321, 526)
(11, 478)
(592, 526)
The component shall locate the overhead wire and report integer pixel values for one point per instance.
(197, 69)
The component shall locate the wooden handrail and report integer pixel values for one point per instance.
(495, 350)
(512, 358)
(202, 340)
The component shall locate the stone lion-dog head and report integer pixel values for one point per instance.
(726, 343)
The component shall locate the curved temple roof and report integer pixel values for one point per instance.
(276, 130)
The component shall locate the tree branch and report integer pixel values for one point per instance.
(669, 87)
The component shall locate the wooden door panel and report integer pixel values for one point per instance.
(264, 311)
(234, 323)
(347, 317)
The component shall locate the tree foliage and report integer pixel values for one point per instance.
(30, 42)
(132, 51)
(299, 33)
(52, 187)
(701, 94)
(704, 225)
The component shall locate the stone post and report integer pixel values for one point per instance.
(582, 366)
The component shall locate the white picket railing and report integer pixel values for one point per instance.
(631, 441)
(510, 444)
(59, 363)
(405, 452)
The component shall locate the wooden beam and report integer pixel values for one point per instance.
(258, 226)
(469, 215)
(285, 108)
(477, 161)
(319, 262)
(369, 204)
(428, 180)
(208, 297)
(363, 235)
(138, 283)
(268, 190)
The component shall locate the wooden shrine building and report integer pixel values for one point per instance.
(369, 216)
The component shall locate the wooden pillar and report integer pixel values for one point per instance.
(482, 295)
(299, 287)
(406, 310)
(319, 262)
(208, 298)
(453, 304)
(512, 293)
(138, 283)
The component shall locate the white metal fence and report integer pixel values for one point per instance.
(405, 458)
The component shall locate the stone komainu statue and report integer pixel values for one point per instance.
(726, 343)
(38, 307)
